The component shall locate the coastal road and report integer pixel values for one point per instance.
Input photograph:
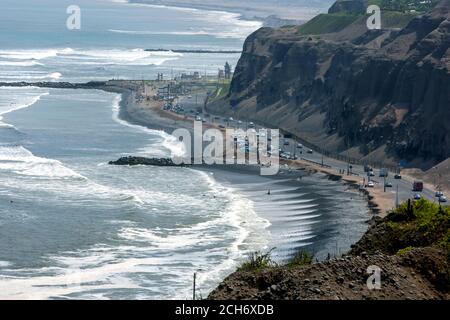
(404, 185)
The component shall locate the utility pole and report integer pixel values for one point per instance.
(193, 290)
(396, 198)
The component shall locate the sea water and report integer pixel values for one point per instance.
(72, 226)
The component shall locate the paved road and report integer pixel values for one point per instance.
(193, 104)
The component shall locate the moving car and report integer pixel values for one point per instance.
(371, 184)
(442, 199)
(310, 151)
(388, 185)
(397, 176)
(371, 174)
(439, 194)
(418, 186)
(417, 196)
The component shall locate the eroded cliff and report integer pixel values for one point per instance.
(379, 95)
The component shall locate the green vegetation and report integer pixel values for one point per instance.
(419, 224)
(395, 14)
(405, 5)
(257, 262)
(405, 250)
(394, 19)
(302, 258)
(327, 23)
(221, 91)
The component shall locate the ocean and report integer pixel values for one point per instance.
(74, 227)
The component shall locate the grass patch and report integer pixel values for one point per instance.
(302, 258)
(394, 19)
(404, 250)
(328, 23)
(258, 261)
(405, 5)
(221, 91)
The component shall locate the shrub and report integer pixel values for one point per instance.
(258, 261)
(404, 250)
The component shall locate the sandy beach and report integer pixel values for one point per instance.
(149, 112)
(288, 204)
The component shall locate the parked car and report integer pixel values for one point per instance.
(439, 194)
(388, 185)
(310, 151)
(397, 176)
(371, 184)
(300, 146)
(371, 174)
(442, 199)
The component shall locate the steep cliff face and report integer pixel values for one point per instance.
(378, 94)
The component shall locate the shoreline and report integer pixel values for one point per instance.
(150, 114)
(154, 117)
(269, 15)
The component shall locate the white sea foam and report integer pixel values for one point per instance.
(109, 268)
(21, 161)
(4, 264)
(13, 99)
(29, 57)
(28, 63)
(169, 142)
(226, 24)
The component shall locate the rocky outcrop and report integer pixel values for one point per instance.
(376, 94)
(344, 278)
(410, 248)
(57, 85)
(134, 161)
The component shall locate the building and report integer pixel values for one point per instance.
(227, 71)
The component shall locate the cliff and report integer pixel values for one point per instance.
(377, 95)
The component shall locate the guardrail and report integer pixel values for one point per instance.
(338, 156)
(318, 163)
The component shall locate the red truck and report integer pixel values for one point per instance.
(418, 186)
